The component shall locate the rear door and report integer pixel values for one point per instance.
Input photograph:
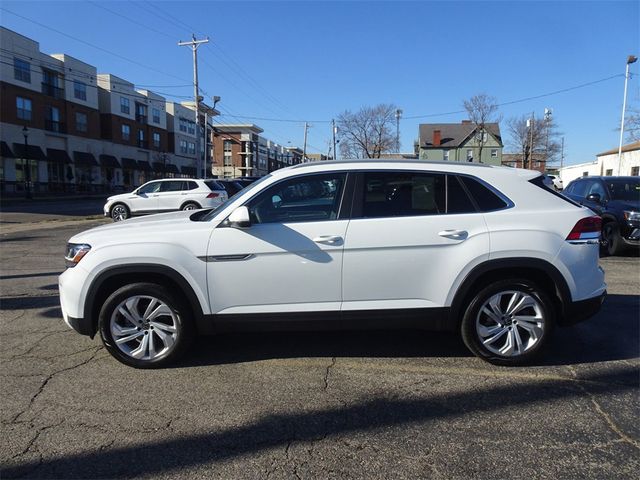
(170, 195)
(410, 236)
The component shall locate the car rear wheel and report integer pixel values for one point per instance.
(613, 241)
(191, 206)
(143, 325)
(508, 322)
(119, 212)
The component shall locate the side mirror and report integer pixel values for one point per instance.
(239, 218)
(594, 197)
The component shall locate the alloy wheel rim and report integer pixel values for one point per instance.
(143, 327)
(119, 213)
(189, 207)
(510, 323)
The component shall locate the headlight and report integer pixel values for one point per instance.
(75, 252)
(631, 216)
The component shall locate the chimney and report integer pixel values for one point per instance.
(437, 138)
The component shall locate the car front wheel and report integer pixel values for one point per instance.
(508, 322)
(144, 325)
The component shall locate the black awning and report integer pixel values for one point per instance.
(129, 163)
(60, 156)
(144, 166)
(85, 159)
(109, 161)
(158, 167)
(5, 151)
(33, 152)
(188, 171)
(171, 168)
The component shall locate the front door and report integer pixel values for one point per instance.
(146, 198)
(290, 258)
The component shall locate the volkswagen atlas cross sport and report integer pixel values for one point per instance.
(488, 252)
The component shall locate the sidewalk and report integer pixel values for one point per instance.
(48, 198)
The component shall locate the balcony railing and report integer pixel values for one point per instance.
(52, 90)
(141, 118)
(143, 144)
(54, 126)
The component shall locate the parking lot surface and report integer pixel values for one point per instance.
(312, 405)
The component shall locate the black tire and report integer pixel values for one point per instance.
(611, 235)
(475, 319)
(177, 316)
(119, 212)
(190, 206)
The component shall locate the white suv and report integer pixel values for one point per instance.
(489, 252)
(164, 196)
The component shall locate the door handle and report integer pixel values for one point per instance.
(454, 234)
(330, 239)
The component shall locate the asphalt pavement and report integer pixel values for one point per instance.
(308, 405)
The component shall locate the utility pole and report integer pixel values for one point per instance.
(530, 124)
(631, 59)
(333, 132)
(398, 115)
(547, 122)
(304, 149)
(194, 44)
(562, 154)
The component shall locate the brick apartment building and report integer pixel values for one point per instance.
(240, 150)
(66, 128)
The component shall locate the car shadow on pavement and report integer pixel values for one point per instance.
(249, 347)
(29, 302)
(613, 334)
(177, 454)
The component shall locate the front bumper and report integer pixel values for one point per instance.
(581, 310)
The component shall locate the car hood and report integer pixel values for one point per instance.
(120, 196)
(151, 226)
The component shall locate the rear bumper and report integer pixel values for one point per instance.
(579, 311)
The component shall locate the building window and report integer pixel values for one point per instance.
(81, 122)
(609, 172)
(191, 127)
(52, 121)
(445, 155)
(469, 155)
(21, 70)
(183, 124)
(126, 132)
(141, 113)
(141, 141)
(226, 146)
(79, 90)
(635, 171)
(192, 148)
(156, 139)
(585, 174)
(23, 106)
(183, 146)
(124, 105)
(156, 115)
(494, 153)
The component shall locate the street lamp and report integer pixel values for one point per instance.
(27, 164)
(630, 59)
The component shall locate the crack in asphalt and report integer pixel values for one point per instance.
(49, 378)
(605, 416)
(326, 373)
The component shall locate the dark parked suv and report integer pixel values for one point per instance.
(617, 201)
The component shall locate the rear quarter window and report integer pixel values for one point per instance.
(539, 182)
(486, 199)
(213, 185)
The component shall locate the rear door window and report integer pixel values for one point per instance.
(400, 194)
(457, 199)
(171, 186)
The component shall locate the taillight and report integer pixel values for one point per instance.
(587, 228)
(213, 195)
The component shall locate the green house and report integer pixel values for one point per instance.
(460, 142)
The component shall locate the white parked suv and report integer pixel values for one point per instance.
(488, 252)
(165, 196)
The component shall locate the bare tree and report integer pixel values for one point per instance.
(632, 125)
(534, 137)
(481, 109)
(368, 132)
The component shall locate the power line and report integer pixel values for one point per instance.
(117, 55)
(118, 14)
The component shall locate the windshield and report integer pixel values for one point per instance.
(624, 189)
(214, 212)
